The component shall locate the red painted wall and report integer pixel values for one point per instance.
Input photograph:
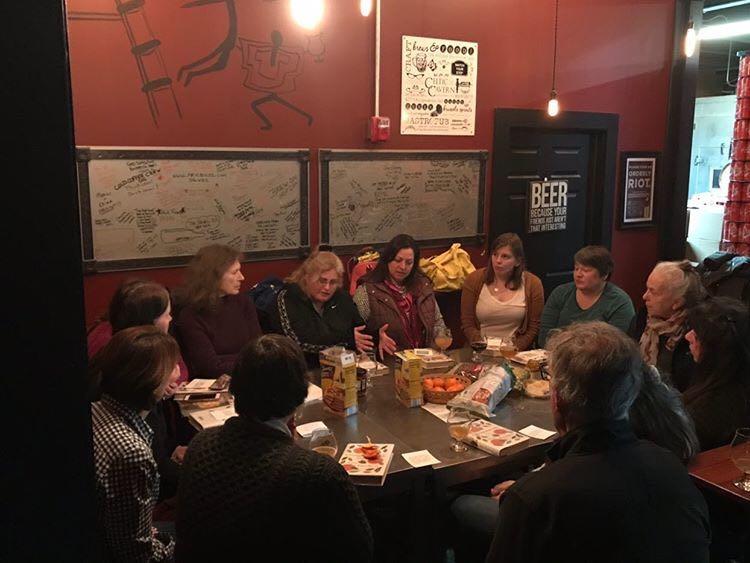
(608, 61)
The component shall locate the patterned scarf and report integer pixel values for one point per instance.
(408, 313)
(673, 328)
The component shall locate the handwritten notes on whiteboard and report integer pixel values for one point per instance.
(152, 208)
(369, 197)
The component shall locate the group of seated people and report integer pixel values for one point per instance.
(677, 374)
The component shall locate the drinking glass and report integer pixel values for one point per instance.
(740, 451)
(508, 348)
(443, 339)
(459, 423)
(324, 442)
(479, 345)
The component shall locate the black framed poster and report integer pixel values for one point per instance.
(547, 206)
(638, 172)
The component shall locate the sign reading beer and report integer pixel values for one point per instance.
(638, 185)
(548, 206)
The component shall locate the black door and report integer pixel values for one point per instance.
(575, 148)
(536, 155)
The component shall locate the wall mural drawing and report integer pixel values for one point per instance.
(155, 81)
(272, 67)
(217, 59)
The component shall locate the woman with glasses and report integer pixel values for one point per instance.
(314, 311)
(718, 395)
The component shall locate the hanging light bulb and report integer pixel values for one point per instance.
(553, 106)
(307, 13)
(365, 7)
(691, 40)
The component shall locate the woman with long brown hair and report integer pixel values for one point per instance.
(503, 299)
(215, 320)
(397, 301)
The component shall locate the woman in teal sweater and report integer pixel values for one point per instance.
(589, 297)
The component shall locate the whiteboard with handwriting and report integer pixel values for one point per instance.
(368, 197)
(144, 208)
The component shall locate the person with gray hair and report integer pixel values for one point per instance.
(604, 495)
(671, 289)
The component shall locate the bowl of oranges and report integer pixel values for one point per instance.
(441, 389)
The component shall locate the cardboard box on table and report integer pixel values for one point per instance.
(338, 380)
(408, 378)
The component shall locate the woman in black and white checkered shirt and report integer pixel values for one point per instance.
(134, 370)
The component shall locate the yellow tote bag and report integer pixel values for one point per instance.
(449, 269)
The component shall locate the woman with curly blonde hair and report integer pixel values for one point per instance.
(314, 311)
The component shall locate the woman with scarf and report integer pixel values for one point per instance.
(396, 300)
(671, 289)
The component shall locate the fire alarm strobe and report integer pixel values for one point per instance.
(380, 128)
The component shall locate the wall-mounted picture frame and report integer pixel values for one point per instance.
(638, 181)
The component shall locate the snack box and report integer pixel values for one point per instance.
(408, 378)
(338, 380)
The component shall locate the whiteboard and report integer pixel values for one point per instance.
(368, 197)
(149, 208)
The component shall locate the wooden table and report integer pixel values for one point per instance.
(385, 420)
(714, 470)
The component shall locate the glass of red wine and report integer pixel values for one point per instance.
(479, 345)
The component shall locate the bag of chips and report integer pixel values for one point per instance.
(482, 396)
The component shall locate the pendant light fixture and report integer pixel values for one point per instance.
(553, 106)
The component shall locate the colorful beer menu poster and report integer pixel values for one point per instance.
(438, 86)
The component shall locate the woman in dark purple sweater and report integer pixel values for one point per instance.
(214, 321)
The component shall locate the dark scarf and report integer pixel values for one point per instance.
(408, 313)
